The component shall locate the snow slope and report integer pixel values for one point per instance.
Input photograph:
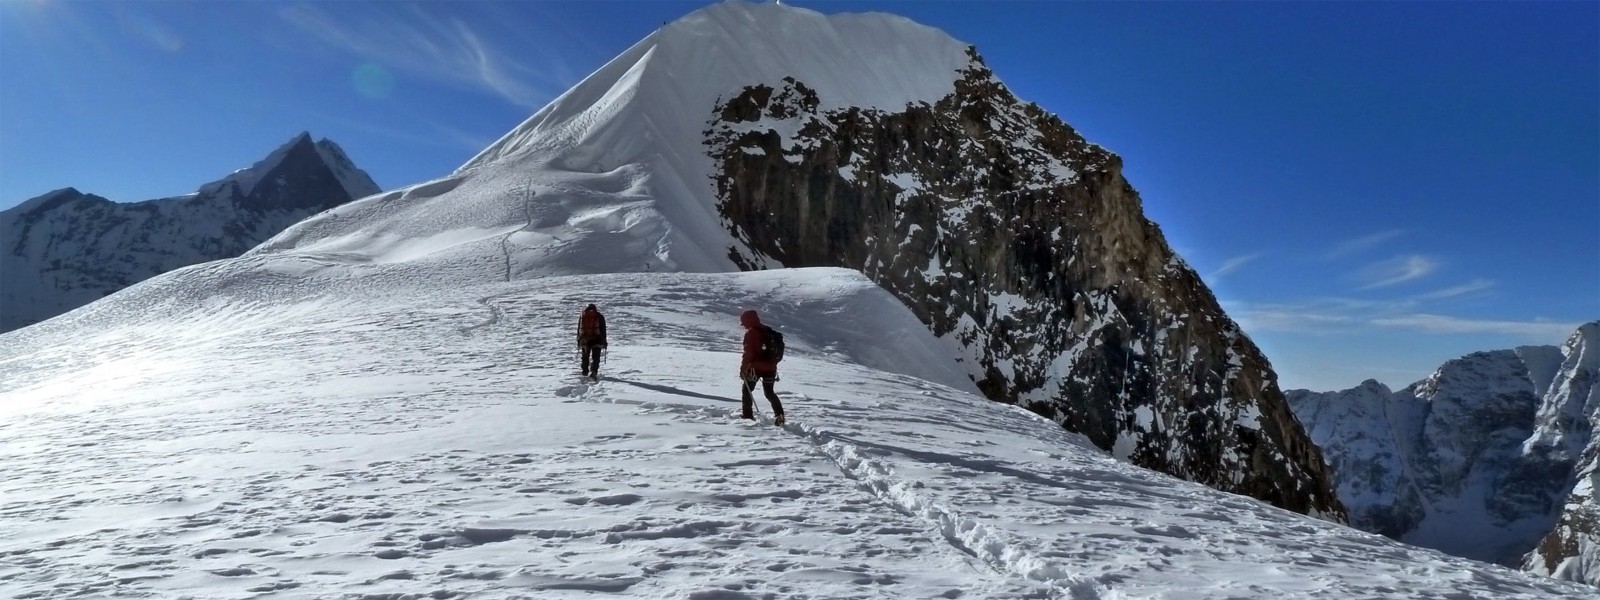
(632, 133)
(389, 440)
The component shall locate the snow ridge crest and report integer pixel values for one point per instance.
(664, 84)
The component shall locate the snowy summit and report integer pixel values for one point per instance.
(383, 400)
(66, 248)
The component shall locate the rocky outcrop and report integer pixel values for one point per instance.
(1564, 432)
(66, 248)
(1023, 245)
(1477, 459)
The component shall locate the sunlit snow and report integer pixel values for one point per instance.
(382, 402)
(437, 442)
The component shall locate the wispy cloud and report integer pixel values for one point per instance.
(1362, 244)
(1456, 291)
(1444, 324)
(1350, 316)
(1290, 319)
(1395, 271)
(444, 49)
(1232, 264)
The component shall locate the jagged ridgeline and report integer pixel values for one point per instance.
(1010, 235)
(65, 249)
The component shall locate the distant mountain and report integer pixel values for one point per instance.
(66, 248)
(387, 387)
(1477, 459)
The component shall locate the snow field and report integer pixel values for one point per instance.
(439, 445)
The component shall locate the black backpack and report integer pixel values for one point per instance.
(771, 344)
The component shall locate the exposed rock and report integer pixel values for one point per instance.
(1022, 244)
(1564, 432)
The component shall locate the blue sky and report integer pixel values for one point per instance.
(1369, 188)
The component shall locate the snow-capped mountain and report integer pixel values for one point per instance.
(759, 136)
(1564, 434)
(1476, 460)
(380, 401)
(65, 249)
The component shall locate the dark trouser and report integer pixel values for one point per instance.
(766, 387)
(590, 361)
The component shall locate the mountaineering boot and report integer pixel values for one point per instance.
(777, 420)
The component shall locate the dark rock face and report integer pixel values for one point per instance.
(1009, 234)
(1485, 497)
(66, 248)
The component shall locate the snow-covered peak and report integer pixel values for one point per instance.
(690, 152)
(1565, 432)
(659, 93)
(1497, 372)
(248, 177)
(1571, 400)
(355, 182)
(616, 166)
(1583, 347)
(1473, 460)
(66, 249)
(1374, 385)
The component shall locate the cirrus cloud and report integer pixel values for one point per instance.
(443, 49)
(1233, 264)
(1457, 291)
(1395, 271)
(1363, 243)
(1430, 323)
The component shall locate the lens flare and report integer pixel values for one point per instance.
(372, 80)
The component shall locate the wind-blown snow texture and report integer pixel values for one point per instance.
(1477, 459)
(341, 435)
(66, 248)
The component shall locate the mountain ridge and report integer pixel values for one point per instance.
(650, 141)
(1486, 458)
(379, 400)
(65, 248)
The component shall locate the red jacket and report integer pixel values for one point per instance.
(753, 358)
